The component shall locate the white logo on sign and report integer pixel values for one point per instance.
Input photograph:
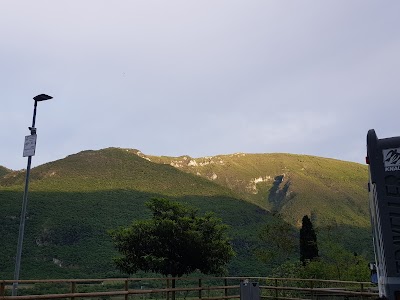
(391, 159)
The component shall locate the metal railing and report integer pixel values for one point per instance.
(205, 288)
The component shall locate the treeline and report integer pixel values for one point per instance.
(176, 241)
(298, 254)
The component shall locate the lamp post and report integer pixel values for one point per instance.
(29, 150)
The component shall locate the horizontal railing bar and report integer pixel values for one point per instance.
(116, 293)
(5, 285)
(283, 298)
(221, 297)
(9, 281)
(318, 290)
(69, 295)
(177, 279)
(149, 291)
(99, 294)
(311, 280)
(79, 280)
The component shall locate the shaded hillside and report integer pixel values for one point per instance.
(74, 201)
(330, 191)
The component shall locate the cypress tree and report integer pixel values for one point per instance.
(308, 241)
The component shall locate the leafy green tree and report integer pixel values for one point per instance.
(337, 263)
(308, 241)
(174, 242)
(289, 269)
(279, 242)
(345, 265)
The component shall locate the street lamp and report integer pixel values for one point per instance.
(29, 151)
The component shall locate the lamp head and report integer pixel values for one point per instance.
(42, 97)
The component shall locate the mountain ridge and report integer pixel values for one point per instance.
(291, 185)
(280, 178)
(75, 200)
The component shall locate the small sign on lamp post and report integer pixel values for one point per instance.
(30, 145)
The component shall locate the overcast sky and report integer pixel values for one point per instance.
(198, 78)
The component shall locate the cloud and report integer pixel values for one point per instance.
(199, 78)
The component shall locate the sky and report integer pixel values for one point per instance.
(198, 78)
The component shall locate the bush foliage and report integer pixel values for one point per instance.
(175, 241)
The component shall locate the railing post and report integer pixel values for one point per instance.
(167, 289)
(276, 288)
(173, 288)
(312, 289)
(126, 289)
(2, 289)
(362, 290)
(226, 290)
(73, 289)
(200, 290)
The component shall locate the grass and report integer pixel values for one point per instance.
(74, 201)
(318, 186)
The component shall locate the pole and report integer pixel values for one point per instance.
(23, 214)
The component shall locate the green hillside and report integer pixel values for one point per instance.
(331, 191)
(4, 171)
(74, 201)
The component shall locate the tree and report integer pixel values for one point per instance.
(278, 239)
(308, 241)
(175, 241)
